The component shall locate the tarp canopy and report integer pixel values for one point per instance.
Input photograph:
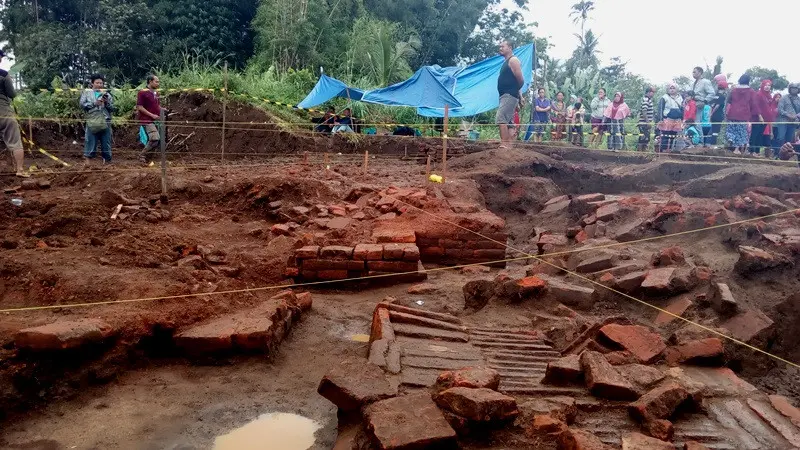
(326, 89)
(469, 91)
(423, 90)
(476, 85)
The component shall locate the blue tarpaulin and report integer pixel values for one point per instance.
(469, 91)
(476, 85)
(326, 89)
(424, 89)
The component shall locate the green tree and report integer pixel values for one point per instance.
(380, 53)
(757, 73)
(494, 26)
(585, 55)
(580, 13)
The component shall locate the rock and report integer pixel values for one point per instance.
(275, 205)
(659, 281)
(749, 326)
(475, 270)
(603, 380)
(544, 425)
(338, 223)
(677, 307)
(472, 377)
(359, 215)
(722, 299)
(621, 358)
(783, 406)
(195, 261)
(753, 259)
(640, 341)
(576, 439)
(659, 403)
(63, 334)
(531, 286)
(353, 385)
(631, 282)
(281, 230)
(563, 371)
(554, 240)
(423, 289)
(300, 210)
(703, 351)
(596, 264)
(643, 377)
(560, 408)
(408, 422)
(670, 256)
(570, 294)
(573, 231)
(304, 301)
(692, 445)
(607, 213)
(558, 199)
(660, 429)
(479, 405)
(638, 441)
(387, 216)
(477, 293)
(44, 184)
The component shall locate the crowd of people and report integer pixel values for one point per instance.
(757, 122)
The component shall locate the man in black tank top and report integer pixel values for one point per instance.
(509, 84)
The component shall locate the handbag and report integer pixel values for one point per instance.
(96, 121)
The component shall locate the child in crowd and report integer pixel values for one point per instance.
(689, 107)
(693, 134)
(703, 121)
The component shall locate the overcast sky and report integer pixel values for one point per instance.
(662, 39)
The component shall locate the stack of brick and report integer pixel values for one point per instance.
(455, 246)
(340, 263)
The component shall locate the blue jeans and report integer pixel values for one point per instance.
(784, 133)
(90, 148)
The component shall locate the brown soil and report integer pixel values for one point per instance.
(60, 247)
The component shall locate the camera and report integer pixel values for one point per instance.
(106, 96)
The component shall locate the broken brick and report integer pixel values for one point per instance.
(390, 236)
(471, 377)
(638, 441)
(353, 385)
(659, 403)
(722, 299)
(660, 429)
(670, 256)
(408, 422)
(753, 259)
(607, 213)
(281, 230)
(480, 405)
(368, 252)
(531, 286)
(308, 252)
(603, 380)
(577, 439)
(543, 425)
(749, 326)
(63, 334)
(659, 281)
(704, 351)
(677, 307)
(562, 371)
(641, 341)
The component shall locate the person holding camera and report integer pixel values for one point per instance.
(98, 105)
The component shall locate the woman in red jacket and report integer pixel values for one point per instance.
(742, 107)
(762, 129)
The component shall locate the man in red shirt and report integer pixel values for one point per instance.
(148, 109)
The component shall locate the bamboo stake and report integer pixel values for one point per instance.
(444, 141)
(366, 161)
(224, 110)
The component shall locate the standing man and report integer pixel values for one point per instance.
(509, 85)
(9, 128)
(98, 106)
(703, 88)
(148, 108)
(788, 117)
(646, 117)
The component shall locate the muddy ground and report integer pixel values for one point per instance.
(60, 247)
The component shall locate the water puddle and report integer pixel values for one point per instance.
(274, 431)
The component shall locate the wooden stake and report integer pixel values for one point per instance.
(163, 136)
(444, 141)
(428, 167)
(30, 132)
(366, 162)
(224, 109)
(305, 158)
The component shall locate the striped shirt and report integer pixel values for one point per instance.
(647, 112)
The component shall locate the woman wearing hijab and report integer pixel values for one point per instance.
(598, 105)
(615, 115)
(559, 116)
(742, 108)
(759, 138)
(669, 115)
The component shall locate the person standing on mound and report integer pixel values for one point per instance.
(509, 84)
(9, 128)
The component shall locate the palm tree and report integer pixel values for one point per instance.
(586, 54)
(389, 59)
(580, 13)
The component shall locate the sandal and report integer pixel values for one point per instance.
(23, 175)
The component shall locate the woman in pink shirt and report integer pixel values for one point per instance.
(615, 115)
